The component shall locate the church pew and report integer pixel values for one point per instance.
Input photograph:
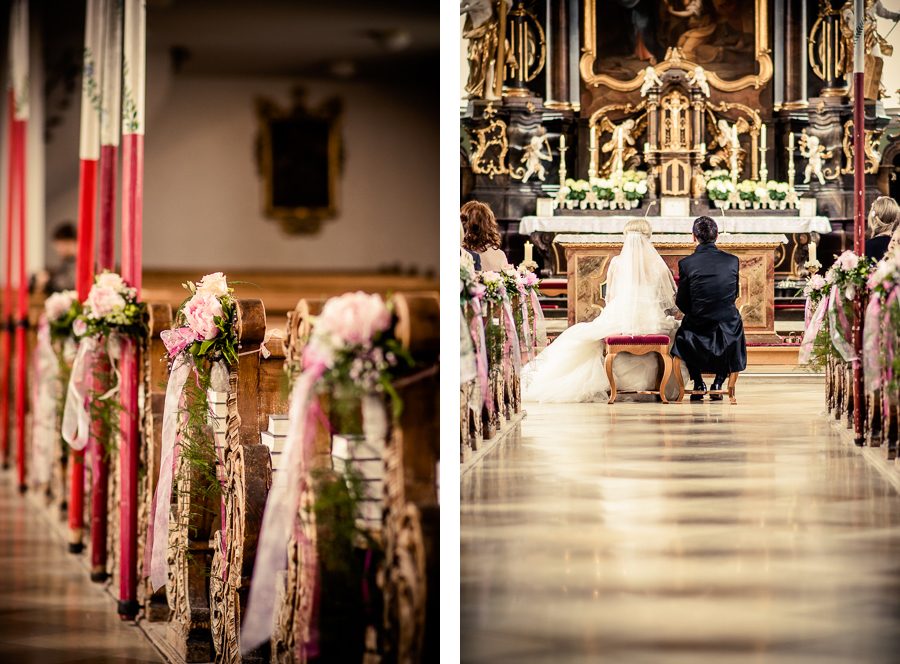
(154, 375)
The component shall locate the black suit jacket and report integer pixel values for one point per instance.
(711, 336)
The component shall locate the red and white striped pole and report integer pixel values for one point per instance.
(7, 322)
(20, 84)
(133, 104)
(110, 117)
(89, 153)
(859, 200)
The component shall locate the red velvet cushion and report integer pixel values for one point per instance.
(637, 340)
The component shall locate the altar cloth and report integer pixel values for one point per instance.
(731, 224)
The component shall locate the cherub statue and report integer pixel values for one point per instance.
(698, 78)
(620, 146)
(651, 78)
(812, 150)
(726, 136)
(875, 45)
(482, 30)
(533, 156)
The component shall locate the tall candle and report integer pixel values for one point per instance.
(812, 248)
(791, 142)
(762, 137)
(528, 251)
(562, 142)
(593, 137)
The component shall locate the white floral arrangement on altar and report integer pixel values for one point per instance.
(620, 191)
(748, 194)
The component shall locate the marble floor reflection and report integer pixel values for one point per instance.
(50, 612)
(645, 532)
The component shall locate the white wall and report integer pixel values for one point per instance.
(202, 191)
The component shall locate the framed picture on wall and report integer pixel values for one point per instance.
(300, 154)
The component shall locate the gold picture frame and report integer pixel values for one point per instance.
(300, 156)
(761, 46)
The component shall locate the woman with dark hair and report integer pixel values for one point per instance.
(884, 218)
(482, 236)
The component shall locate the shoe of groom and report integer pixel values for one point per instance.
(699, 386)
(716, 386)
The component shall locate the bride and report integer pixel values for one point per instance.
(640, 296)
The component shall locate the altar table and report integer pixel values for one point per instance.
(588, 257)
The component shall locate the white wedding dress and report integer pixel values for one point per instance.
(639, 291)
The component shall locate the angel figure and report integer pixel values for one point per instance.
(651, 78)
(874, 44)
(813, 152)
(482, 30)
(698, 78)
(533, 156)
(620, 145)
(726, 136)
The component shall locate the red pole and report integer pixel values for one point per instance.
(22, 322)
(6, 333)
(859, 205)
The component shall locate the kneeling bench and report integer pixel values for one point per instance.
(732, 379)
(639, 345)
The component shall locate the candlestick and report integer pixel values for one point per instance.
(528, 252)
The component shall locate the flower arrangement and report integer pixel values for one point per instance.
(624, 190)
(725, 193)
(61, 310)
(777, 191)
(829, 328)
(881, 341)
(111, 310)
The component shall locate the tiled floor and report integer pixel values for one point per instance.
(644, 532)
(50, 612)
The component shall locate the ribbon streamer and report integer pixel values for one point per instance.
(282, 505)
(162, 499)
(872, 344)
(512, 339)
(76, 422)
(839, 335)
(481, 359)
(46, 389)
(526, 331)
(812, 331)
(540, 324)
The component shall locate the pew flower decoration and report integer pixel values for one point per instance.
(203, 340)
(62, 309)
(497, 292)
(111, 312)
(881, 343)
(829, 329)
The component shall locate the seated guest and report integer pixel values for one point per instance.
(711, 336)
(482, 235)
(884, 216)
(476, 259)
(62, 277)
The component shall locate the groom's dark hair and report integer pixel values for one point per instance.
(705, 230)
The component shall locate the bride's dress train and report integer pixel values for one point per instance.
(640, 290)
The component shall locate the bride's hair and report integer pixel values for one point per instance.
(639, 225)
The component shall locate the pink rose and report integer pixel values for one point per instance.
(178, 339)
(477, 290)
(104, 300)
(829, 277)
(848, 261)
(79, 328)
(531, 279)
(200, 312)
(354, 318)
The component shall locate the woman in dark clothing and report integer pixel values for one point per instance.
(884, 216)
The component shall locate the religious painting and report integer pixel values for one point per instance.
(299, 158)
(722, 36)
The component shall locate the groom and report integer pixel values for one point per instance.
(711, 336)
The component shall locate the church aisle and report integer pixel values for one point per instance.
(645, 532)
(51, 612)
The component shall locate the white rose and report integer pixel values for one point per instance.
(110, 280)
(491, 277)
(215, 284)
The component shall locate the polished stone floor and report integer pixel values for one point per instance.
(644, 532)
(50, 612)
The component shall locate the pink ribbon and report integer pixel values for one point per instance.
(872, 344)
(540, 325)
(812, 331)
(890, 335)
(282, 506)
(481, 359)
(526, 332)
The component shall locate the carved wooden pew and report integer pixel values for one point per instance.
(154, 374)
(256, 391)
